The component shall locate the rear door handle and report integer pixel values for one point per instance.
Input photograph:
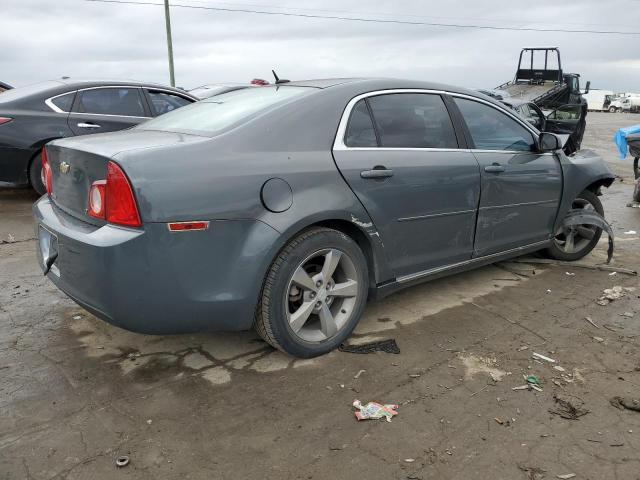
(88, 125)
(377, 173)
(495, 168)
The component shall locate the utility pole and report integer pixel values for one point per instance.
(167, 18)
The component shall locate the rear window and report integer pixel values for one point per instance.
(224, 111)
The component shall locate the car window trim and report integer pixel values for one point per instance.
(339, 142)
(527, 126)
(55, 108)
(137, 87)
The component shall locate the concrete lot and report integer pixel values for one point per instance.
(75, 392)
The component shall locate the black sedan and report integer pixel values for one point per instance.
(33, 115)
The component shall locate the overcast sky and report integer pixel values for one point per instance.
(45, 39)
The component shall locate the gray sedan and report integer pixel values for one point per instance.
(286, 207)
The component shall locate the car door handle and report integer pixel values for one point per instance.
(88, 125)
(377, 173)
(495, 168)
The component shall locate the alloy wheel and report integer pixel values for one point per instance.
(321, 295)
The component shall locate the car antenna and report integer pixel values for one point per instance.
(278, 80)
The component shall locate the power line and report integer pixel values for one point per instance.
(404, 15)
(369, 20)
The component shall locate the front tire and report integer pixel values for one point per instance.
(573, 243)
(314, 293)
(35, 175)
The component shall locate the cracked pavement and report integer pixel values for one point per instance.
(75, 393)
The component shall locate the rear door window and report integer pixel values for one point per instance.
(412, 120)
(494, 130)
(124, 101)
(360, 131)
(165, 102)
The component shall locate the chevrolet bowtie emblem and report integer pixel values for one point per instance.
(64, 167)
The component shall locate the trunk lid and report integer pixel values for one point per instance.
(78, 162)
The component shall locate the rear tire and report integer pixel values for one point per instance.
(612, 109)
(314, 293)
(35, 175)
(636, 191)
(574, 243)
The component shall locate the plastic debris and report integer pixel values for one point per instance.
(610, 294)
(566, 476)
(375, 411)
(387, 346)
(542, 357)
(630, 232)
(627, 314)
(598, 339)
(533, 380)
(570, 274)
(626, 403)
(588, 319)
(360, 372)
(558, 368)
(122, 461)
(568, 407)
(613, 273)
(521, 387)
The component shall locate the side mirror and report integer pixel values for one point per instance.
(586, 90)
(549, 142)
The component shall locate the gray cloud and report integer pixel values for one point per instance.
(41, 39)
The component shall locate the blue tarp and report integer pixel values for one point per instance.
(620, 138)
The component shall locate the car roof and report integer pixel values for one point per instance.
(39, 91)
(87, 83)
(363, 85)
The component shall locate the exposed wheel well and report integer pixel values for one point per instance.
(598, 184)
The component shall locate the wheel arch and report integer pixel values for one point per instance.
(37, 148)
(363, 233)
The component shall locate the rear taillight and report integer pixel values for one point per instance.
(47, 176)
(4, 120)
(112, 199)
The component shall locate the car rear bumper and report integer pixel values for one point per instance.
(154, 281)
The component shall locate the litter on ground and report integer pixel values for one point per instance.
(387, 346)
(542, 357)
(611, 294)
(568, 407)
(374, 411)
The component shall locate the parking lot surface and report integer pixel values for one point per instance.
(77, 393)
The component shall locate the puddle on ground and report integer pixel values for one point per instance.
(215, 357)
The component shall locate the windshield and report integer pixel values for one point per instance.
(214, 115)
